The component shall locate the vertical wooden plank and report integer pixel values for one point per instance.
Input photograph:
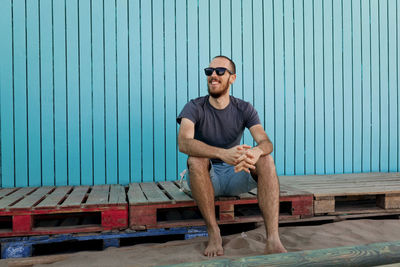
(215, 27)
(86, 90)
(384, 77)
(398, 80)
(147, 91)
(60, 94)
(170, 89)
(366, 85)
(393, 88)
(237, 56)
(226, 28)
(289, 88)
(299, 87)
(46, 80)
(110, 92)
(159, 93)
(338, 86)
(258, 55)
(319, 89)
(309, 87)
(6, 96)
(375, 88)
(348, 87)
(20, 93)
(269, 73)
(328, 85)
(182, 67)
(122, 90)
(33, 79)
(73, 99)
(357, 106)
(135, 58)
(97, 26)
(195, 71)
(204, 44)
(248, 68)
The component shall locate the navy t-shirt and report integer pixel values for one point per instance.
(219, 127)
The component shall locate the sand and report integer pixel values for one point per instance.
(249, 243)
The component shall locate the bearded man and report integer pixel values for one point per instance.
(211, 128)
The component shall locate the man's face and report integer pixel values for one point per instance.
(219, 85)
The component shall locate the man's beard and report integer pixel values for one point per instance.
(220, 93)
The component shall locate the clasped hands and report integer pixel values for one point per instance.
(243, 157)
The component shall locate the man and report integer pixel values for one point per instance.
(211, 128)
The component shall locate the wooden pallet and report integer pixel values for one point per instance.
(351, 193)
(65, 209)
(149, 202)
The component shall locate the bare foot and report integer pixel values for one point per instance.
(274, 246)
(214, 246)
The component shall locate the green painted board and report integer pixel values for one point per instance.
(52, 200)
(32, 199)
(98, 195)
(135, 194)
(75, 197)
(175, 192)
(363, 255)
(153, 193)
(117, 194)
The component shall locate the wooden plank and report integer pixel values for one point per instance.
(153, 193)
(389, 201)
(324, 205)
(14, 197)
(135, 194)
(6, 191)
(52, 200)
(98, 195)
(117, 194)
(376, 254)
(32, 199)
(76, 197)
(175, 192)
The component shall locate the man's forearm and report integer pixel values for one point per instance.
(265, 147)
(196, 148)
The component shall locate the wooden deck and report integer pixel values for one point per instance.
(65, 209)
(350, 193)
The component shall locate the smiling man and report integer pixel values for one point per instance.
(210, 133)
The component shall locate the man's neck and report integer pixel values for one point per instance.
(220, 102)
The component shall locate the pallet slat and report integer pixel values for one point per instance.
(174, 192)
(153, 193)
(76, 197)
(98, 195)
(135, 195)
(117, 195)
(32, 199)
(15, 196)
(52, 200)
(6, 191)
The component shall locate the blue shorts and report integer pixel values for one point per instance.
(227, 182)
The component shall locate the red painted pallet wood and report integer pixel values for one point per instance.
(164, 204)
(60, 210)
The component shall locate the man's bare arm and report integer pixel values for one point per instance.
(195, 148)
(264, 147)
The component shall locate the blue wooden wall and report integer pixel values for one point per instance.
(90, 89)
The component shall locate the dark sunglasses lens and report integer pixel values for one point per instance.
(220, 71)
(208, 71)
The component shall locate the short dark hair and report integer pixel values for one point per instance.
(233, 66)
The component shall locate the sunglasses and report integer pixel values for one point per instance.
(219, 71)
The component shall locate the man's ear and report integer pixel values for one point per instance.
(232, 78)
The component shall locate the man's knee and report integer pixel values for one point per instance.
(197, 164)
(267, 161)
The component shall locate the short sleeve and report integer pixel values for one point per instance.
(251, 116)
(189, 111)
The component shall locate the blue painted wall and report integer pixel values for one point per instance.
(90, 88)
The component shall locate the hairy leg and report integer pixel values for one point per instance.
(203, 193)
(268, 200)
